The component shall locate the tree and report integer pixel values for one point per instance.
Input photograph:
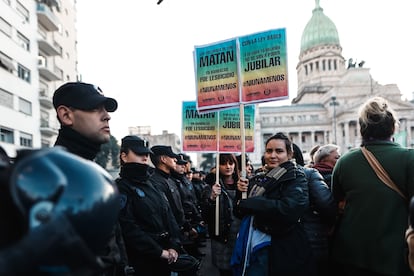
(109, 154)
(208, 162)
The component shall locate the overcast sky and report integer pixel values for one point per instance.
(141, 53)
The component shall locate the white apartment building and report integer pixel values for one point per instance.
(37, 54)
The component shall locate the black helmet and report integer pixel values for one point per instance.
(53, 181)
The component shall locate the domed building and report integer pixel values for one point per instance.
(330, 92)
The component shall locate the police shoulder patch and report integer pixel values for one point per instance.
(140, 192)
(123, 200)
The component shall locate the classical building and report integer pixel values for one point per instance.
(37, 54)
(330, 92)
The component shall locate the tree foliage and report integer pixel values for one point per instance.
(109, 154)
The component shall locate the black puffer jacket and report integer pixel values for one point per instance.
(320, 216)
(278, 212)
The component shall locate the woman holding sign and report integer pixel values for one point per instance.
(271, 240)
(223, 243)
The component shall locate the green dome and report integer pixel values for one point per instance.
(320, 30)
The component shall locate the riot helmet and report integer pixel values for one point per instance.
(53, 181)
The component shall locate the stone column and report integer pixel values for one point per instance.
(346, 138)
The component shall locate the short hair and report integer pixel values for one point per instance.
(377, 120)
(284, 137)
(324, 151)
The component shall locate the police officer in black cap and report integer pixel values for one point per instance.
(83, 113)
(190, 206)
(165, 162)
(149, 228)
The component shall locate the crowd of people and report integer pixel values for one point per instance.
(330, 216)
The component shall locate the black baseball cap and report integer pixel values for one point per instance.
(181, 160)
(83, 96)
(136, 144)
(164, 150)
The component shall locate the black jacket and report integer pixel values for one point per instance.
(164, 183)
(147, 223)
(320, 216)
(112, 255)
(278, 212)
(188, 199)
(226, 202)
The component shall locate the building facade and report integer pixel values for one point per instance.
(330, 92)
(37, 54)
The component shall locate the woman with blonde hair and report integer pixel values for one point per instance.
(370, 237)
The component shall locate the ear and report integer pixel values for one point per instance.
(65, 115)
(123, 157)
(162, 159)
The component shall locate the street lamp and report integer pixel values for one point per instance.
(334, 103)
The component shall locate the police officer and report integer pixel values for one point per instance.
(149, 227)
(83, 113)
(190, 207)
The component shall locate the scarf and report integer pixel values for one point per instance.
(323, 168)
(250, 240)
(260, 186)
(135, 172)
(77, 144)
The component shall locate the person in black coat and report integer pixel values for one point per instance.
(276, 203)
(149, 228)
(223, 192)
(191, 208)
(319, 218)
(83, 113)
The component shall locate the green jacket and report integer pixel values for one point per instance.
(371, 232)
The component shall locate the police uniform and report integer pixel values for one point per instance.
(147, 223)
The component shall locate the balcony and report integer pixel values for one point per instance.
(47, 129)
(46, 18)
(46, 71)
(46, 45)
(45, 99)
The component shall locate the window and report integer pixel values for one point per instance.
(23, 73)
(6, 62)
(45, 144)
(23, 41)
(6, 135)
(58, 48)
(26, 139)
(6, 98)
(25, 106)
(44, 119)
(22, 11)
(5, 27)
